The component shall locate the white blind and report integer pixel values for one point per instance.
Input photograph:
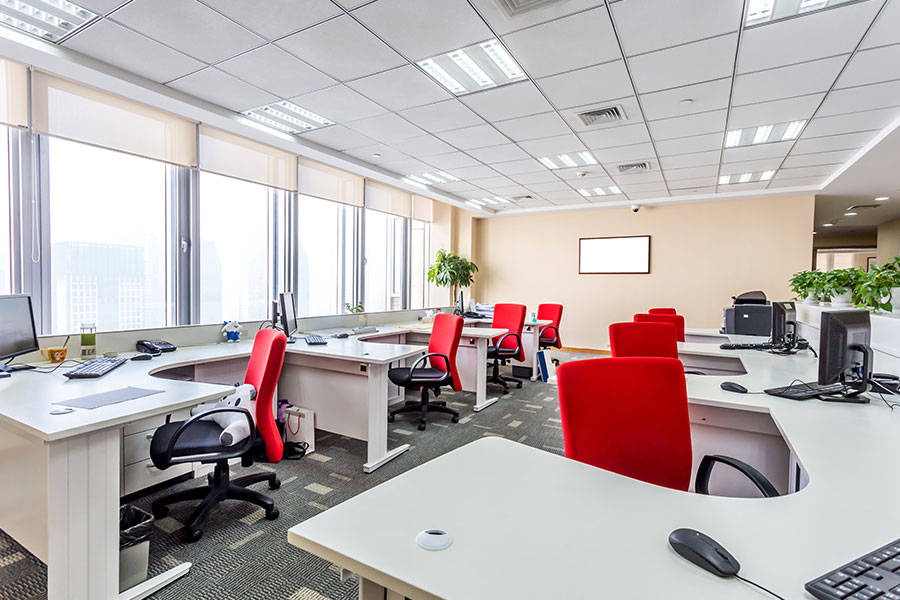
(77, 112)
(421, 208)
(13, 94)
(386, 198)
(228, 154)
(328, 183)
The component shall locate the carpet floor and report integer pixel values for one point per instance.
(243, 556)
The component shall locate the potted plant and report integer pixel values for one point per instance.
(874, 291)
(354, 308)
(451, 270)
(841, 285)
(807, 285)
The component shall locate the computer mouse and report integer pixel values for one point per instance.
(730, 386)
(704, 552)
(142, 356)
(341, 335)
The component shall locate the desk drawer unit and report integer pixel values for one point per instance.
(141, 475)
(137, 470)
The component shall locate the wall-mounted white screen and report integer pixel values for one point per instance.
(607, 255)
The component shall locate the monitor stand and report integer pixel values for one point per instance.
(13, 368)
(291, 340)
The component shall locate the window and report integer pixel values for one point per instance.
(5, 205)
(107, 238)
(235, 257)
(419, 251)
(385, 262)
(325, 257)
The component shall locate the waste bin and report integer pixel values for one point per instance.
(134, 546)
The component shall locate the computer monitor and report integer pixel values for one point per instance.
(845, 354)
(784, 323)
(459, 304)
(288, 314)
(17, 332)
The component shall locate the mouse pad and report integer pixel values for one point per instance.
(106, 398)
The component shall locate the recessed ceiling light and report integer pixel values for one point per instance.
(723, 179)
(418, 179)
(448, 176)
(473, 68)
(850, 214)
(433, 178)
(548, 163)
(614, 189)
(745, 177)
(287, 116)
(762, 134)
(793, 130)
(762, 11)
(687, 101)
(733, 137)
(567, 160)
(584, 192)
(50, 20)
(827, 224)
(413, 183)
(489, 200)
(599, 191)
(588, 159)
(502, 200)
(766, 175)
(376, 155)
(475, 202)
(882, 198)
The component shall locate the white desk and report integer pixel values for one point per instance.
(531, 341)
(528, 524)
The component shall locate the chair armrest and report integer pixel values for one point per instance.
(233, 452)
(506, 335)
(701, 486)
(421, 358)
(555, 334)
(694, 372)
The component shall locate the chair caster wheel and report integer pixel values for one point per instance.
(275, 484)
(192, 535)
(271, 515)
(390, 418)
(454, 420)
(159, 512)
(519, 385)
(421, 426)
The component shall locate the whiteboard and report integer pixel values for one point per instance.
(614, 255)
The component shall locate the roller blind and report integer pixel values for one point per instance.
(69, 110)
(228, 154)
(421, 208)
(388, 199)
(14, 96)
(328, 183)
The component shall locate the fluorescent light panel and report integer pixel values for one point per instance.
(615, 189)
(733, 138)
(489, 200)
(766, 175)
(764, 11)
(433, 178)
(447, 176)
(475, 202)
(724, 179)
(567, 160)
(473, 68)
(588, 158)
(413, 183)
(418, 179)
(562, 161)
(548, 163)
(793, 130)
(762, 134)
(49, 20)
(286, 116)
(501, 200)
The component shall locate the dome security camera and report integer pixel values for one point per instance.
(635, 208)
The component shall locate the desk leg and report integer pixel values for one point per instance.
(481, 399)
(369, 590)
(378, 454)
(535, 371)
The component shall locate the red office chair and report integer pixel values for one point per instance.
(630, 416)
(662, 311)
(196, 440)
(676, 320)
(509, 345)
(549, 336)
(643, 339)
(441, 356)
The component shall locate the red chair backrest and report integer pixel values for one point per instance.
(643, 339)
(552, 312)
(676, 320)
(662, 311)
(445, 340)
(629, 416)
(263, 371)
(512, 318)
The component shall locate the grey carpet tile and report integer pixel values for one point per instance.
(242, 555)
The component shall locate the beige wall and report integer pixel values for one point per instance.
(701, 255)
(451, 229)
(888, 241)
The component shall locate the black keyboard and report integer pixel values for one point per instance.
(762, 346)
(805, 391)
(315, 340)
(96, 367)
(875, 576)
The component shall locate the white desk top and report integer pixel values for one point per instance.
(27, 397)
(418, 327)
(530, 524)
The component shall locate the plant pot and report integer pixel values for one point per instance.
(810, 299)
(842, 300)
(895, 299)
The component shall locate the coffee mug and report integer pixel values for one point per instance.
(54, 355)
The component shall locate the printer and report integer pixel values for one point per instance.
(750, 314)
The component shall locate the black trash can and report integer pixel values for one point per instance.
(134, 545)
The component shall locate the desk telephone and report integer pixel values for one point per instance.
(154, 346)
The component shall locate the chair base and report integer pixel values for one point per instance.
(220, 487)
(424, 407)
(498, 379)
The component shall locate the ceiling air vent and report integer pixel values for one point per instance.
(514, 8)
(600, 116)
(634, 167)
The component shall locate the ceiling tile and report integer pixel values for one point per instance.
(629, 153)
(385, 154)
(586, 86)
(743, 187)
(503, 23)
(559, 144)
(498, 154)
(872, 66)
(637, 188)
(687, 145)
(690, 173)
(530, 179)
(490, 183)
(351, 4)
(403, 87)
(850, 123)
(188, 26)
(508, 102)
(757, 152)
(646, 25)
(479, 136)
(123, 48)
(358, 54)
(789, 182)
(276, 71)
(406, 167)
(697, 124)
(811, 171)
(750, 166)
(569, 43)
(628, 106)
(386, 128)
(565, 198)
(683, 65)
(694, 191)
(533, 127)
(451, 160)
(516, 167)
(885, 30)
(787, 82)
(442, 116)
(338, 137)
(550, 186)
(417, 31)
(704, 97)
(775, 111)
(867, 97)
(685, 161)
(475, 172)
(460, 187)
(698, 182)
(611, 137)
(847, 141)
(818, 158)
(422, 146)
(339, 104)
(513, 190)
(220, 88)
(632, 179)
(275, 18)
(800, 40)
(100, 6)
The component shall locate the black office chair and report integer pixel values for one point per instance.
(508, 346)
